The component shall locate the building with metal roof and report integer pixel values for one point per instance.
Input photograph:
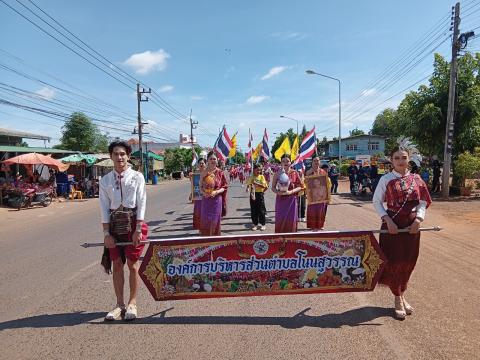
(10, 137)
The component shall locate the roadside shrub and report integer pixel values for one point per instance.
(467, 166)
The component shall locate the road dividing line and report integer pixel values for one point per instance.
(79, 272)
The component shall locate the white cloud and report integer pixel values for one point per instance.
(257, 99)
(46, 93)
(274, 71)
(166, 88)
(196, 98)
(368, 92)
(148, 61)
(289, 35)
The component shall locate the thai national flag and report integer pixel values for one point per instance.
(299, 165)
(265, 148)
(223, 145)
(248, 155)
(308, 145)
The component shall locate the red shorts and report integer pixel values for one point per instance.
(132, 253)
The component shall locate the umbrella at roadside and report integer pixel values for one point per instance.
(37, 159)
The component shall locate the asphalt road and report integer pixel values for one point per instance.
(54, 294)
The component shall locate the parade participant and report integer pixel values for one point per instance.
(352, 176)
(316, 213)
(267, 172)
(224, 195)
(123, 202)
(436, 177)
(302, 199)
(256, 186)
(333, 175)
(241, 174)
(197, 204)
(286, 184)
(360, 176)
(407, 198)
(212, 186)
(373, 171)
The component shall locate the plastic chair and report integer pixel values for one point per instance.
(76, 193)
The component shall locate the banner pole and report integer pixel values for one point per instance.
(375, 231)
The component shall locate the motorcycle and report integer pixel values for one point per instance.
(27, 197)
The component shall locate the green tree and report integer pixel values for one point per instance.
(356, 132)
(179, 159)
(422, 115)
(322, 146)
(303, 133)
(79, 133)
(239, 158)
(386, 124)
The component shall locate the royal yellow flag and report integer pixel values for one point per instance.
(233, 150)
(257, 151)
(295, 148)
(283, 149)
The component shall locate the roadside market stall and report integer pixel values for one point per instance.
(23, 192)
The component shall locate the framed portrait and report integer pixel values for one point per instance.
(196, 194)
(316, 188)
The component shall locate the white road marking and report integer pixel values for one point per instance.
(79, 272)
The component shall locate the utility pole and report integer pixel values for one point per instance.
(447, 154)
(193, 125)
(140, 98)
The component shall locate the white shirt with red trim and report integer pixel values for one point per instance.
(127, 189)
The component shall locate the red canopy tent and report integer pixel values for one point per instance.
(37, 159)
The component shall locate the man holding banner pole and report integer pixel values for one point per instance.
(123, 201)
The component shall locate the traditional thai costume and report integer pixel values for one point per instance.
(197, 210)
(211, 208)
(286, 206)
(407, 198)
(197, 213)
(123, 202)
(316, 213)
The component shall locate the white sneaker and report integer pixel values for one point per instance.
(131, 313)
(254, 227)
(303, 220)
(262, 228)
(116, 313)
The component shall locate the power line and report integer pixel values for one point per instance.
(84, 99)
(404, 56)
(396, 78)
(390, 98)
(162, 103)
(65, 45)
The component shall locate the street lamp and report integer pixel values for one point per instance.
(289, 118)
(311, 72)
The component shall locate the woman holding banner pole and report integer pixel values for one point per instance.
(286, 184)
(213, 184)
(407, 199)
